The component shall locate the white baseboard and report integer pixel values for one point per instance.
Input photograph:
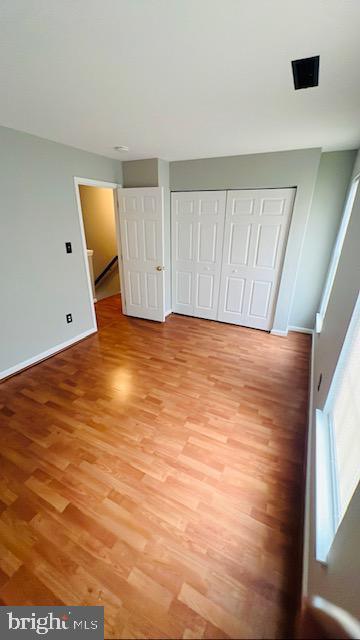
(301, 330)
(45, 354)
(167, 313)
(275, 332)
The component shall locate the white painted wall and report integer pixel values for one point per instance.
(339, 582)
(40, 283)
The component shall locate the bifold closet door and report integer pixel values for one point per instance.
(256, 229)
(197, 220)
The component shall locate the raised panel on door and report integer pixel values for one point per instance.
(152, 251)
(184, 241)
(151, 291)
(131, 238)
(184, 206)
(259, 299)
(183, 290)
(271, 205)
(141, 214)
(204, 291)
(149, 204)
(239, 243)
(206, 249)
(197, 222)
(234, 294)
(241, 205)
(256, 229)
(134, 288)
(267, 245)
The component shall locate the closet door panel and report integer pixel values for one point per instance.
(208, 252)
(255, 236)
(197, 220)
(182, 248)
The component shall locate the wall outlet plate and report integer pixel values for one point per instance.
(68, 247)
(68, 318)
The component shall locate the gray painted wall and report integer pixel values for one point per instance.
(326, 211)
(340, 580)
(40, 283)
(42, 215)
(163, 173)
(151, 172)
(264, 170)
(141, 173)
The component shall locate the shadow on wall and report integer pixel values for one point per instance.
(98, 212)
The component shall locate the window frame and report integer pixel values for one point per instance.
(335, 256)
(327, 502)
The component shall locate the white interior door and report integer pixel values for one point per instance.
(256, 230)
(141, 213)
(197, 234)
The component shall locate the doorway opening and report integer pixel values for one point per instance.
(97, 206)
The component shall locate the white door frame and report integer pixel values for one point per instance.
(88, 182)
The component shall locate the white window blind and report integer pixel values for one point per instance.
(344, 416)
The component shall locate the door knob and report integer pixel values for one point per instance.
(160, 268)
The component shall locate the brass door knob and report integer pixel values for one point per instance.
(160, 268)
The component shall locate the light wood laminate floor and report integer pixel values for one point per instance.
(157, 469)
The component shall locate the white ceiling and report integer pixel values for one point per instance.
(180, 79)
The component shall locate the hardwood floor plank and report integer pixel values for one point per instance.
(156, 469)
(213, 613)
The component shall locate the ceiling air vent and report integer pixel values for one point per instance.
(306, 72)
